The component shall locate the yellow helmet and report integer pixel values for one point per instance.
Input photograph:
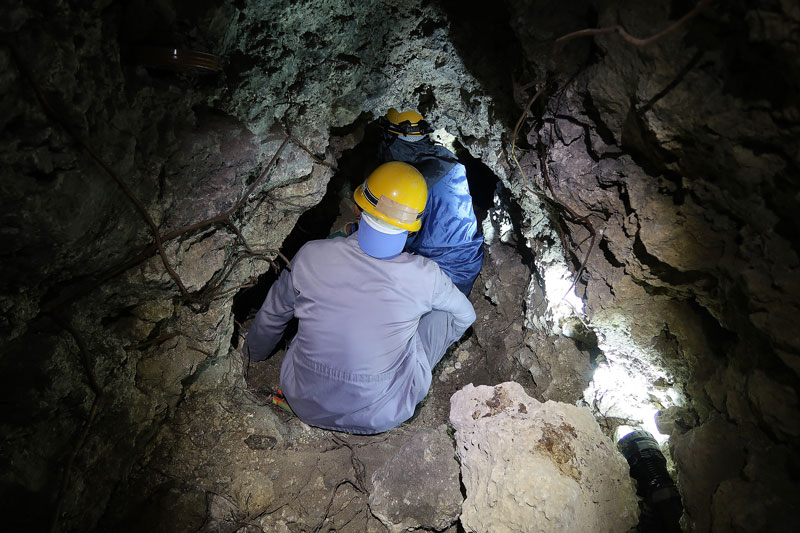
(409, 123)
(396, 193)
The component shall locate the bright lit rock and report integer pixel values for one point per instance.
(532, 466)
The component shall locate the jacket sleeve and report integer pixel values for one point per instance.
(271, 319)
(447, 297)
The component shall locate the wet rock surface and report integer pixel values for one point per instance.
(529, 466)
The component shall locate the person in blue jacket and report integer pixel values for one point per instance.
(450, 234)
(373, 320)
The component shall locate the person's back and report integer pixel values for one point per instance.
(372, 324)
(360, 311)
(450, 234)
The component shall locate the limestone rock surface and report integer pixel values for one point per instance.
(418, 487)
(532, 466)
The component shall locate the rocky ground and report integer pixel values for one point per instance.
(253, 466)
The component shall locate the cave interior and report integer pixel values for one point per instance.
(634, 168)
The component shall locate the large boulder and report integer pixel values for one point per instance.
(532, 466)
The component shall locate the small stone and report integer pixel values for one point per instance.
(260, 442)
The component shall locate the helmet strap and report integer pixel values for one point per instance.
(406, 127)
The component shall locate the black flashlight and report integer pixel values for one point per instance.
(662, 507)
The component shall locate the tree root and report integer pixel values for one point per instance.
(619, 30)
(158, 239)
(87, 425)
(553, 200)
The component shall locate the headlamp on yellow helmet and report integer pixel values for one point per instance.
(408, 124)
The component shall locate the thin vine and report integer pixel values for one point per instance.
(542, 149)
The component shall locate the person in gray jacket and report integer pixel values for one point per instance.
(373, 320)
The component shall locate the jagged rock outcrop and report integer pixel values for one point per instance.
(678, 153)
(531, 466)
(510, 321)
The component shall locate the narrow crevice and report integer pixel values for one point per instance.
(670, 274)
(609, 255)
(317, 222)
(600, 126)
(482, 181)
(695, 59)
(643, 146)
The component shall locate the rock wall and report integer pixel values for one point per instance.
(100, 344)
(679, 154)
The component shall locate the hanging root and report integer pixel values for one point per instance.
(619, 30)
(159, 240)
(560, 207)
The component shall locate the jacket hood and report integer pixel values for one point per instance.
(432, 160)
